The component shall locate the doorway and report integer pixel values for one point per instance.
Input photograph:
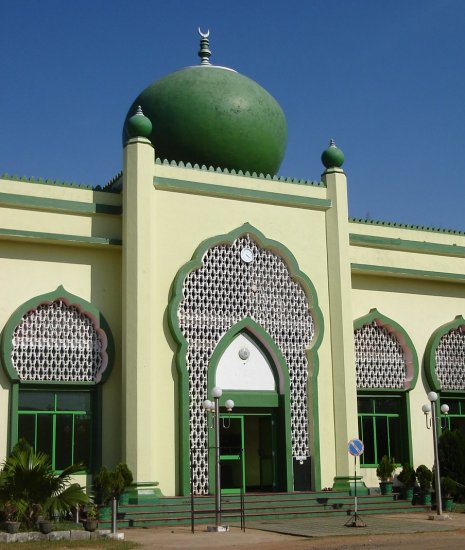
(248, 458)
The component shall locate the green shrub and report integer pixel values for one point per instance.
(425, 478)
(407, 476)
(28, 482)
(111, 483)
(386, 468)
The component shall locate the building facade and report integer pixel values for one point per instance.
(123, 306)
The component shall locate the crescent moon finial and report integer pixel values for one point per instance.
(204, 52)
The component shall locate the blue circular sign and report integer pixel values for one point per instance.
(355, 447)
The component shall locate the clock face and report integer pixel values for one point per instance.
(247, 255)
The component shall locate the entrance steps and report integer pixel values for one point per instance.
(258, 506)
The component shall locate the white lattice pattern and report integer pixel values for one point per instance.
(379, 358)
(57, 342)
(222, 292)
(450, 360)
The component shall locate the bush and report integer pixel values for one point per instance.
(28, 482)
(452, 458)
(425, 478)
(407, 476)
(448, 487)
(386, 468)
(111, 483)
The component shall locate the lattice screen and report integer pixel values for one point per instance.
(57, 342)
(450, 360)
(222, 292)
(379, 358)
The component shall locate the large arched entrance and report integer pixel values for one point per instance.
(244, 281)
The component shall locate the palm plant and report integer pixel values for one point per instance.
(28, 480)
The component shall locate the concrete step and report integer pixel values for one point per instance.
(177, 510)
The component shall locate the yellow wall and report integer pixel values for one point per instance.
(31, 266)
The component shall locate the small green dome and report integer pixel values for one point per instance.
(332, 157)
(215, 116)
(139, 125)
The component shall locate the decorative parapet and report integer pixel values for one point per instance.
(114, 185)
(109, 187)
(233, 172)
(406, 226)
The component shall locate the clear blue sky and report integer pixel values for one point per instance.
(384, 78)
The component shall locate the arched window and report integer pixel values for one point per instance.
(55, 350)
(386, 368)
(445, 369)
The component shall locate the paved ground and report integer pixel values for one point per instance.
(414, 531)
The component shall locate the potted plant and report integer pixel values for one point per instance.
(425, 480)
(29, 480)
(449, 488)
(407, 477)
(46, 525)
(91, 521)
(10, 512)
(385, 471)
(110, 484)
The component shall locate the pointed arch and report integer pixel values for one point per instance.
(70, 301)
(281, 396)
(176, 298)
(455, 328)
(400, 334)
(384, 402)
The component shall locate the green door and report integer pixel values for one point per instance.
(248, 453)
(267, 453)
(232, 464)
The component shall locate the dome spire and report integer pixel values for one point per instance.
(204, 52)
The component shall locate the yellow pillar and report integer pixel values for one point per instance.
(341, 323)
(138, 440)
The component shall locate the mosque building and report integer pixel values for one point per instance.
(123, 306)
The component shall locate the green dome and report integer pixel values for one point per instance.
(139, 125)
(332, 157)
(214, 116)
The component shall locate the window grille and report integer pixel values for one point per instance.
(379, 358)
(58, 342)
(450, 360)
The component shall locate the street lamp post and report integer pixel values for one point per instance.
(432, 422)
(214, 408)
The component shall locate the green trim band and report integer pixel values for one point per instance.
(406, 245)
(15, 234)
(389, 271)
(240, 193)
(58, 205)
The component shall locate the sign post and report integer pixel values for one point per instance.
(355, 448)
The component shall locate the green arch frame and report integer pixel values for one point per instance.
(280, 398)
(404, 340)
(85, 307)
(182, 344)
(430, 352)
